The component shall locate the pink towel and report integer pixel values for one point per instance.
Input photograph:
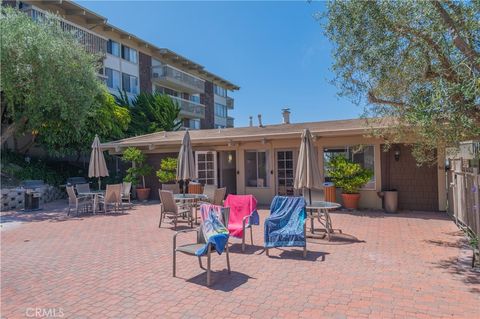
(240, 206)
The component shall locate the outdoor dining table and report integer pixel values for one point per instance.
(95, 195)
(320, 210)
(191, 200)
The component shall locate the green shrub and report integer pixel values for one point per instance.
(168, 170)
(348, 175)
(139, 168)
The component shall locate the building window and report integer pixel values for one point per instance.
(130, 83)
(194, 124)
(256, 167)
(220, 110)
(113, 79)
(220, 91)
(113, 48)
(206, 165)
(360, 154)
(129, 54)
(195, 98)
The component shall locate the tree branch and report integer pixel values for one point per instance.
(459, 42)
(375, 100)
(444, 61)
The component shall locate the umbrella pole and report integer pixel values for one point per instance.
(99, 183)
(311, 211)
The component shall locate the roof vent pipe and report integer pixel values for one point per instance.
(286, 115)
(251, 121)
(260, 120)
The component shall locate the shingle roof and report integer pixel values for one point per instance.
(277, 131)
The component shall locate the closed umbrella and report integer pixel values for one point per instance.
(308, 172)
(97, 167)
(185, 164)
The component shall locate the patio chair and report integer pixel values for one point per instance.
(126, 189)
(169, 207)
(219, 196)
(195, 248)
(83, 188)
(209, 191)
(286, 225)
(174, 188)
(112, 197)
(77, 201)
(243, 215)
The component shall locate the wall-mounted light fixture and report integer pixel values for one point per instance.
(230, 158)
(396, 153)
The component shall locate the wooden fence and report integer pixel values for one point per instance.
(464, 195)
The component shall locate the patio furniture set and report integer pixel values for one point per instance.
(82, 199)
(285, 227)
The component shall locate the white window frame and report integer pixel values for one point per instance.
(277, 169)
(372, 184)
(215, 164)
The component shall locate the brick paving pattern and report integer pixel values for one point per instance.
(410, 265)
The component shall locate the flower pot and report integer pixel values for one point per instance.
(350, 201)
(143, 193)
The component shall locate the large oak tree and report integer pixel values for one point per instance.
(415, 61)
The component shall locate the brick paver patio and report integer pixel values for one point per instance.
(409, 265)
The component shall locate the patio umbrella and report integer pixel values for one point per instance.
(185, 164)
(308, 172)
(97, 167)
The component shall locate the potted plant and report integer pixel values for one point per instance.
(167, 172)
(137, 172)
(349, 176)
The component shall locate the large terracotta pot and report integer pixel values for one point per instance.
(143, 193)
(350, 201)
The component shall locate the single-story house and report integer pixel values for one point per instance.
(261, 160)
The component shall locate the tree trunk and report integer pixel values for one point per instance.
(8, 132)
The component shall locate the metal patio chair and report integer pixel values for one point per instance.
(190, 249)
(78, 202)
(169, 207)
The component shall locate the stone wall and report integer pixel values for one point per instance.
(145, 68)
(13, 198)
(207, 99)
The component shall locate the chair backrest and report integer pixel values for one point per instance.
(113, 193)
(225, 217)
(126, 188)
(219, 196)
(240, 206)
(83, 188)
(209, 190)
(168, 201)
(72, 197)
(174, 188)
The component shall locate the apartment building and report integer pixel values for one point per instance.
(135, 65)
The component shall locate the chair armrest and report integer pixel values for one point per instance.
(247, 217)
(182, 232)
(83, 197)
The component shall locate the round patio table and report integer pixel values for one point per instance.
(94, 195)
(191, 200)
(321, 210)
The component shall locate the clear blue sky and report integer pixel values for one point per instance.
(275, 51)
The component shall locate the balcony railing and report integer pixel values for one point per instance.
(165, 73)
(92, 42)
(229, 102)
(230, 121)
(190, 109)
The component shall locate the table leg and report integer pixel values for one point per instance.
(312, 226)
(328, 226)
